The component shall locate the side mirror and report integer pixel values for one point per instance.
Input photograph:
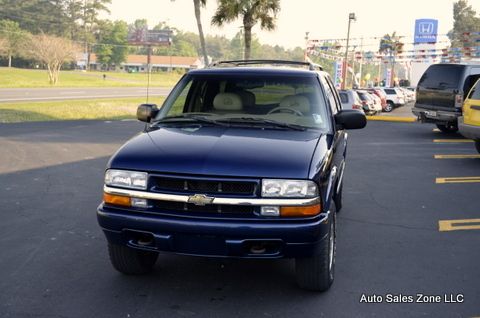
(145, 112)
(350, 119)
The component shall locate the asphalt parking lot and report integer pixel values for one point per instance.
(410, 224)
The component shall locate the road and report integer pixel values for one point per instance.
(54, 260)
(52, 94)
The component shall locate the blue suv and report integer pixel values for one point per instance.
(240, 161)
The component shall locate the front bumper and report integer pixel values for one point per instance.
(435, 116)
(468, 131)
(215, 237)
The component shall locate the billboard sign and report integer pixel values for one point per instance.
(426, 31)
(143, 36)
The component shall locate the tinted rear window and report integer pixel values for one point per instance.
(343, 97)
(442, 76)
(390, 91)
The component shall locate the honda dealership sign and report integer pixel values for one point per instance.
(426, 31)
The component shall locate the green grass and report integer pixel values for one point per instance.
(22, 78)
(95, 109)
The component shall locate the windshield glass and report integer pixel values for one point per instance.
(249, 99)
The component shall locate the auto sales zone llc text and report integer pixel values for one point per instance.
(417, 298)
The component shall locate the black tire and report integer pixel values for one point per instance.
(448, 128)
(389, 107)
(338, 199)
(130, 261)
(316, 273)
(477, 145)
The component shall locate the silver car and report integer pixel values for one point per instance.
(350, 100)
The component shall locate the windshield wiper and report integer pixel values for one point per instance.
(256, 120)
(189, 117)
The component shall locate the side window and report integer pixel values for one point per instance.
(335, 93)
(475, 92)
(330, 96)
(470, 81)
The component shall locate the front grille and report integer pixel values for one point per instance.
(211, 208)
(203, 186)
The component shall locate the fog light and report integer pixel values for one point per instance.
(139, 203)
(270, 211)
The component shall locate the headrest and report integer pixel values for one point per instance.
(296, 102)
(248, 98)
(227, 101)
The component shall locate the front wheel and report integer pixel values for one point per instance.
(130, 261)
(448, 127)
(389, 107)
(317, 272)
(477, 145)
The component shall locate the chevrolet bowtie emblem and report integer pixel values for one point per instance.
(200, 199)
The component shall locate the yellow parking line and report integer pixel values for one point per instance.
(393, 119)
(456, 225)
(456, 156)
(458, 180)
(452, 140)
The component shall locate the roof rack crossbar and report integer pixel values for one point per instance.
(311, 66)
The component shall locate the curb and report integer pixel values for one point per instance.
(393, 119)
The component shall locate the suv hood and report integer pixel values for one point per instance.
(220, 151)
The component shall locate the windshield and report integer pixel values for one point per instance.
(249, 99)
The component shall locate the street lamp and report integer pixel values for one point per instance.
(306, 46)
(351, 16)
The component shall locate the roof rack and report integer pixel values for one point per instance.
(311, 66)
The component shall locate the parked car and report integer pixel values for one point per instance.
(469, 123)
(368, 103)
(239, 162)
(406, 94)
(350, 100)
(409, 93)
(441, 91)
(377, 102)
(394, 98)
(381, 94)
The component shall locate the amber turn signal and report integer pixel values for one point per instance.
(116, 199)
(310, 210)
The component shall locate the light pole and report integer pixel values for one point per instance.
(306, 46)
(351, 16)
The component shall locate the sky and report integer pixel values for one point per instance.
(322, 19)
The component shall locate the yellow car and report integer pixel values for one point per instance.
(469, 123)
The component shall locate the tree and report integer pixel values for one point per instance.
(35, 16)
(54, 52)
(251, 12)
(73, 16)
(465, 21)
(113, 48)
(391, 45)
(197, 4)
(14, 37)
(91, 10)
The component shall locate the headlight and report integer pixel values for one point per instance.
(289, 188)
(126, 179)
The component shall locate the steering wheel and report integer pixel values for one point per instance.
(290, 110)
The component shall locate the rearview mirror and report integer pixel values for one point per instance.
(350, 119)
(145, 112)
